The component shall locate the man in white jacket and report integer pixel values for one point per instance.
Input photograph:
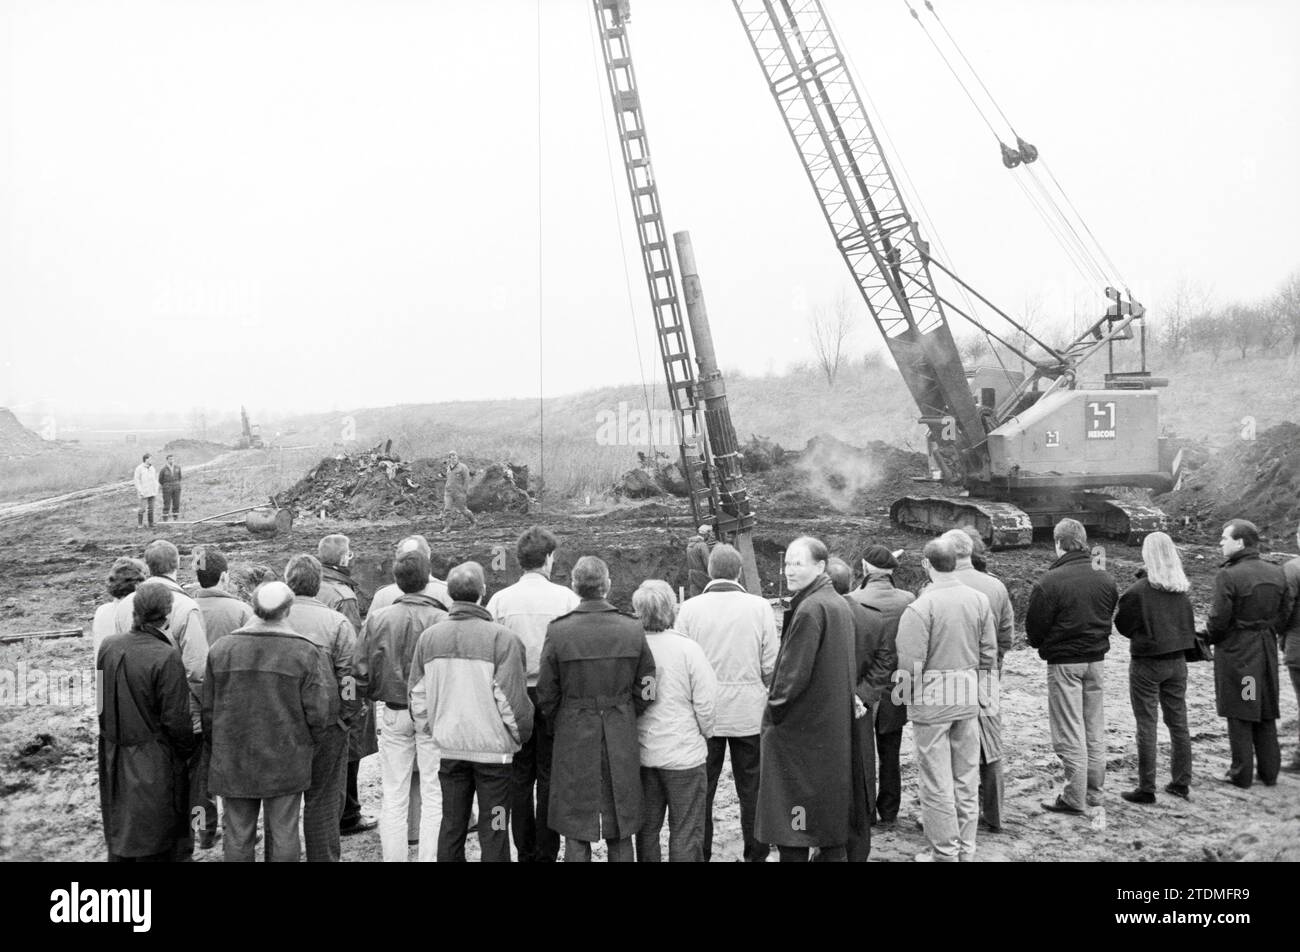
(737, 631)
(527, 607)
(146, 488)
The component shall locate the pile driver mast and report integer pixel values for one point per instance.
(707, 440)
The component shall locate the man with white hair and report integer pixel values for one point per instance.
(1291, 637)
(268, 697)
(990, 721)
(947, 650)
(436, 589)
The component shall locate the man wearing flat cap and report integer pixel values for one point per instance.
(877, 591)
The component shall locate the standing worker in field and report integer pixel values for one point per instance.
(455, 498)
(698, 550)
(146, 488)
(169, 480)
(1248, 609)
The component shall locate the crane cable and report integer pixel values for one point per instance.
(915, 196)
(1029, 155)
(601, 92)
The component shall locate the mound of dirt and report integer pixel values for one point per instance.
(379, 483)
(195, 446)
(659, 475)
(16, 441)
(760, 454)
(1257, 480)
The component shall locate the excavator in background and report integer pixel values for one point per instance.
(251, 436)
(1025, 449)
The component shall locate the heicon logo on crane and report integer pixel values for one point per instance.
(1101, 419)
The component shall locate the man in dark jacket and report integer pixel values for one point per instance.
(382, 669)
(322, 804)
(145, 736)
(1068, 621)
(877, 591)
(698, 549)
(169, 481)
(876, 663)
(1249, 607)
(1291, 637)
(597, 676)
(808, 794)
(268, 696)
(222, 613)
(339, 592)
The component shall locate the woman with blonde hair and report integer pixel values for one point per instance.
(1155, 614)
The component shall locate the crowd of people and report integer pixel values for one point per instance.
(547, 718)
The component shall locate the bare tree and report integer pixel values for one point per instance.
(1189, 299)
(1287, 308)
(973, 347)
(1207, 333)
(830, 328)
(1246, 326)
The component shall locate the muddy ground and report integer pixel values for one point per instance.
(53, 561)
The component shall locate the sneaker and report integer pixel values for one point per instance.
(363, 824)
(1060, 806)
(926, 857)
(1138, 796)
(986, 827)
(1178, 791)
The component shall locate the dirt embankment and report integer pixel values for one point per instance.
(16, 441)
(1256, 479)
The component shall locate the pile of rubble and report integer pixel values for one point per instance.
(378, 484)
(1255, 479)
(658, 475)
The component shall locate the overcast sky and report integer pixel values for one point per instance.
(328, 204)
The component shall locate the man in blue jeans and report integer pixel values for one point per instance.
(1069, 621)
